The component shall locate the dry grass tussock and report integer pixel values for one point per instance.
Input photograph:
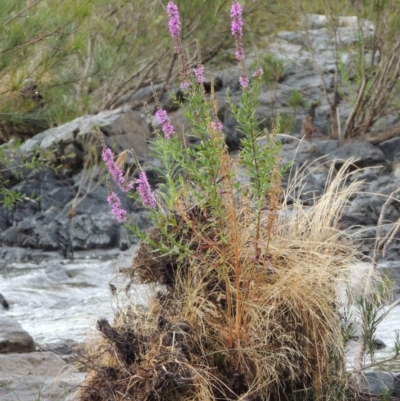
(232, 319)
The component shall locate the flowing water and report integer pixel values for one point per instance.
(63, 306)
(53, 309)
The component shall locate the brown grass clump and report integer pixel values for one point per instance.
(233, 318)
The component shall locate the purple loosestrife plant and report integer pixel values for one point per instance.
(237, 32)
(258, 72)
(175, 26)
(145, 191)
(237, 29)
(243, 82)
(165, 123)
(116, 173)
(175, 31)
(115, 203)
(199, 73)
(185, 84)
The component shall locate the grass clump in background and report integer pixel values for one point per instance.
(249, 286)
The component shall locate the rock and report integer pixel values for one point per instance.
(13, 338)
(183, 128)
(396, 390)
(144, 94)
(379, 344)
(128, 130)
(56, 194)
(124, 239)
(364, 153)
(14, 254)
(95, 202)
(4, 219)
(96, 231)
(326, 146)
(62, 347)
(229, 77)
(299, 153)
(364, 210)
(38, 375)
(57, 272)
(4, 302)
(74, 155)
(123, 128)
(391, 149)
(379, 383)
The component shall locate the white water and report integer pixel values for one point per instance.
(52, 310)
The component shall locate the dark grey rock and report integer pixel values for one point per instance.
(13, 338)
(74, 155)
(326, 146)
(57, 197)
(14, 254)
(37, 231)
(4, 302)
(104, 232)
(229, 77)
(364, 210)
(299, 153)
(37, 375)
(95, 202)
(379, 383)
(129, 130)
(25, 209)
(4, 219)
(125, 239)
(62, 347)
(379, 344)
(367, 175)
(81, 229)
(396, 389)
(364, 154)
(391, 149)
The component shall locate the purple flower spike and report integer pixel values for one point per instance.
(116, 173)
(165, 123)
(243, 82)
(199, 73)
(237, 29)
(258, 72)
(239, 53)
(145, 190)
(237, 22)
(175, 25)
(115, 203)
(185, 84)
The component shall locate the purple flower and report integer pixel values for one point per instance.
(145, 190)
(185, 84)
(199, 73)
(258, 72)
(175, 25)
(216, 125)
(116, 173)
(239, 53)
(243, 82)
(165, 123)
(237, 29)
(237, 22)
(115, 203)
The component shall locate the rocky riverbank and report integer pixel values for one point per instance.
(63, 210)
